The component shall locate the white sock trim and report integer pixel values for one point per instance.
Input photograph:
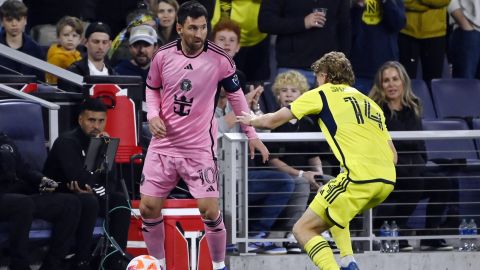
(346, 260)
(218, 265)
(162, 263)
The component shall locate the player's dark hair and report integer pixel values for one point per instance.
(192, 9)
(92, 104)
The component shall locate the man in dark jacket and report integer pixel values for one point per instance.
(98, 41)
(65, 163)
(26, 194)
(305, 34)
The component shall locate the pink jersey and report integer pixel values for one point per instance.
(183, 91)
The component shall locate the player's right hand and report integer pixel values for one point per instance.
(157, 127)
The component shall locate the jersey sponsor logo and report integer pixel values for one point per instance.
(189, 67)
(186, 85)
(181, 105)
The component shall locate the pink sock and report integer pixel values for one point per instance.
(154, 235)
(216, 238)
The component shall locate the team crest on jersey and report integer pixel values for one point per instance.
(186, 85)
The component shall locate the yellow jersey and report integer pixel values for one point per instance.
(354, 126)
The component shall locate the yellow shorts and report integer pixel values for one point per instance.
(341, 199)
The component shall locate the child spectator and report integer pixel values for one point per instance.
(64, 53)
(13, 15)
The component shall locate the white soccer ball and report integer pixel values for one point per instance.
(144, 262)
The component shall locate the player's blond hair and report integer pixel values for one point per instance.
(377, 93)
(292, 78)
(337, 67)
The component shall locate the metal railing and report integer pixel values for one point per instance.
(234, 169)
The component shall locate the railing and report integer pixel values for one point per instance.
(234, 170)
(52, 110)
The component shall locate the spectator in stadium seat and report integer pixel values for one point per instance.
(375, 28)
(98, 42)
(464, 50)
(166, 12)
(424, 38)
(143, 43)
(26, 194)
(253, 58)
(303, 35)
(65, 162)
(64, 53)
(392, 91)
(13, 16)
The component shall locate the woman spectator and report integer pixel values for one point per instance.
(393, 93)
(166, 13)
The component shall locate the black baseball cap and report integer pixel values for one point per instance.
(97, 27)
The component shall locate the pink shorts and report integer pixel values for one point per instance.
(161, 174)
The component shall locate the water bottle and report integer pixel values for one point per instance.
(472, 230)
(394, 233)
(385, 232)
(463, 230)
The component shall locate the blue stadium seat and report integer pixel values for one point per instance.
(456, 97)
(22, 121)
(449, 149)
(420, 89)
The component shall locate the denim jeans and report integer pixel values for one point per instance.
(464, 54)
(268, 193)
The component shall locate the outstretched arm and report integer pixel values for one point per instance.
(266, 121)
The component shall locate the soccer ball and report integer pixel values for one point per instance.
(144, 262)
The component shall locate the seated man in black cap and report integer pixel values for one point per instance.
(98, 40)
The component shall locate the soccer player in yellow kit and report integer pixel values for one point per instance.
(354, 127)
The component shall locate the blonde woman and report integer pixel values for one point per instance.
(392, 91)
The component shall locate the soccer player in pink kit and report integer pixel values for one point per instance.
(182, 91)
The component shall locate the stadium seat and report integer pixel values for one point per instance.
(456, 97)
(449, 149)
(25, 128)
(421, 90)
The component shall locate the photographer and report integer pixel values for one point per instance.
(25, 194)
(66, 162)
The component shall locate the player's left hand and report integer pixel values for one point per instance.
(258, 144)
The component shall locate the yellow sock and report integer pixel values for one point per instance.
(320, 253)
(342, 239)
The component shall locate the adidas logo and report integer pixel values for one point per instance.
(210, 189)
(189, 66)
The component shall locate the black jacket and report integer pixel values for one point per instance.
(409, 152)
(81, 68)
(65, 162)
(16, 176)
(296, 46)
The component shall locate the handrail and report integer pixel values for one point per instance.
(234, 167)
(34, 62)
(396, 135)
(52, 109)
